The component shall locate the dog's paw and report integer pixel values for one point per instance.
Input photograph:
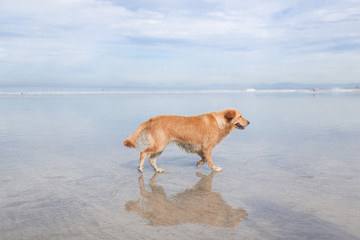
(141, 170)
(217, 169)
(160, 170)
(199, 163)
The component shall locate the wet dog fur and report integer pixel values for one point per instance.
(196, 134)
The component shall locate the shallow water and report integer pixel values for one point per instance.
(292, 174)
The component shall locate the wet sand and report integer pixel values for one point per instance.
(292, 174)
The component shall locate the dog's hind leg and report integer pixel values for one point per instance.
(143, 155)
(152, 160)
(153, 152)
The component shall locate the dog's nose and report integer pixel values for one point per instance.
(248, 122)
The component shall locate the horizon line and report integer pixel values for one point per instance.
(172, 91)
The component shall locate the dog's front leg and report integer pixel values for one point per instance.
(208, 158)
(201, 162)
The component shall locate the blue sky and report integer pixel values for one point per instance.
(189, 42)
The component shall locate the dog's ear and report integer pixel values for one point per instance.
(229, 115)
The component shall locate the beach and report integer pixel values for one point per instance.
(292, 174)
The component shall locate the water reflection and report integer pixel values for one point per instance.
(198, 204)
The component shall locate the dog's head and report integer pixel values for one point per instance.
(235, 119)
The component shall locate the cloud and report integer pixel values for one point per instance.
(108, 42)
(2, 53)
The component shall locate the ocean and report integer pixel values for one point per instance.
(293, 173)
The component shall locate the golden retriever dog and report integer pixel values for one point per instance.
(196, 134)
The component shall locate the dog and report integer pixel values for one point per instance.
(196, 134)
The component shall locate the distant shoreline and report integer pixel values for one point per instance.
(171, 91)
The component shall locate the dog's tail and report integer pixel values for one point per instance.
(133, 140)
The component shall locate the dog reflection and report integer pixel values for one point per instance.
(196, 205)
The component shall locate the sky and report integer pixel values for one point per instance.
(119, 43)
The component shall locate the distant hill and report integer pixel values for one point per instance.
(288, 85)
(192, 86)
(235, 86)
